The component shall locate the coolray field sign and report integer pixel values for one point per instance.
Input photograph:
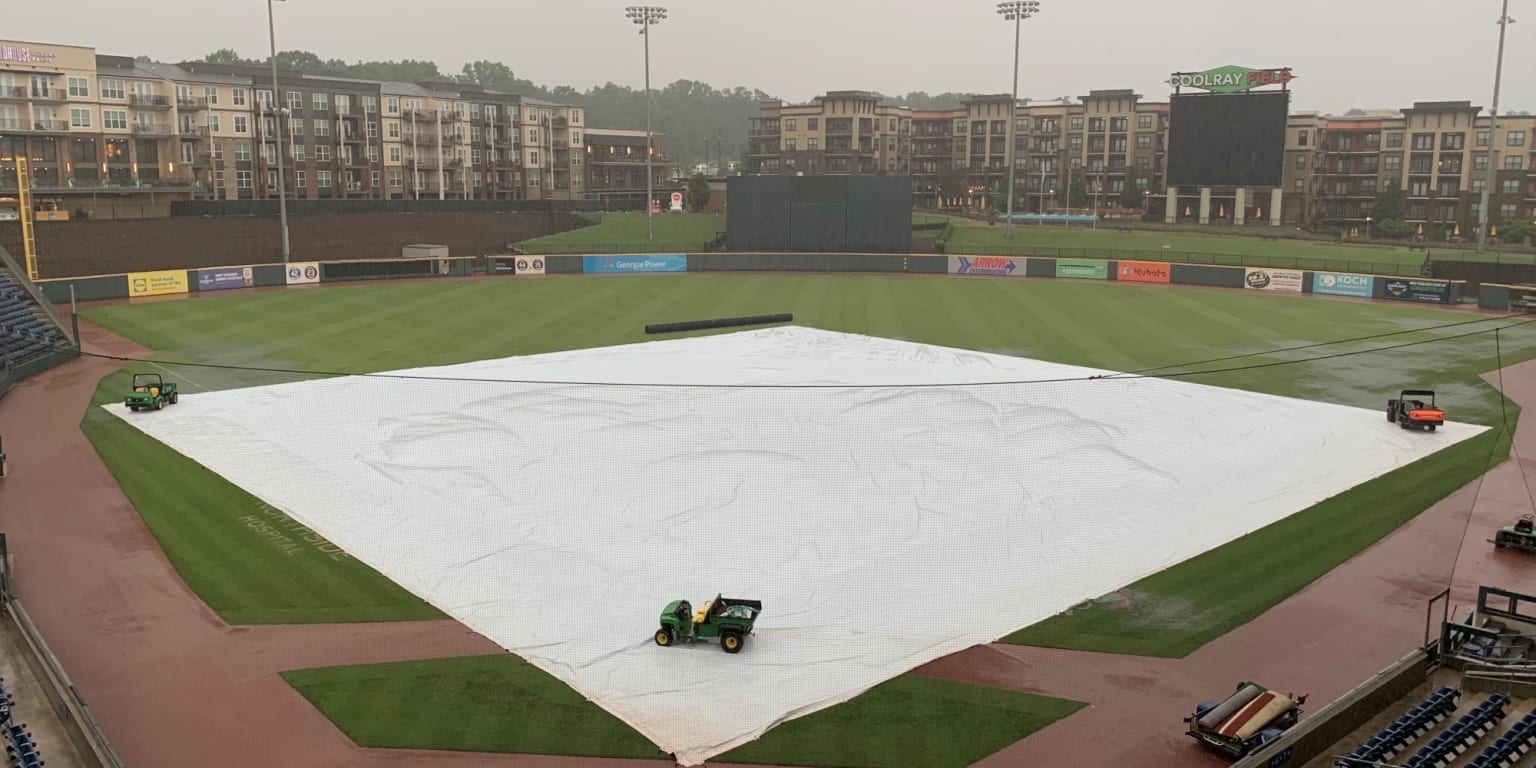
(1231, 79)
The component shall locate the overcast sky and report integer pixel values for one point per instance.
(1346, 53)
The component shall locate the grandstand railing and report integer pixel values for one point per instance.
(84, 731)
(32, 291)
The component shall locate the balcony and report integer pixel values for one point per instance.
(152, 129)
(17, 125)
(193, 131)
(14, 93)
(352, 137)
(418, 114)
(149, 100)
(44, 94)
(79, 185)
(635, 159)
(193, 103)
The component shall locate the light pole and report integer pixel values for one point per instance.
(1493, 132)
(1015, 11)
(277, 118)
(646, 16)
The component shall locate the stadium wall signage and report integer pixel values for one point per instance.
(1230, 79)
(984, 265)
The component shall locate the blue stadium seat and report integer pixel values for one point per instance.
(1397, 736)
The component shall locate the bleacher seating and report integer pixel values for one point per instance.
(1401, 733)
(25, 331)
(19, 746)
(1447, 745)
(1509, 748)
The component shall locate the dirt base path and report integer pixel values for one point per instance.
(174, 686)
(1325, 640)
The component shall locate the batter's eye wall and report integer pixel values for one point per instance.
(1227, 140)
(825, 214)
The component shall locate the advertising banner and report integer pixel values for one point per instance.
(1144, 272)
(530, 265)
(669, 262)
(157, 283)
(304, 273)
(1082, 269)
(224, 279)
(1287, 280)
(1419, 290)
(1343, 284)
(985, 265)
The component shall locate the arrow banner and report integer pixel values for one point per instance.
(1001, 266)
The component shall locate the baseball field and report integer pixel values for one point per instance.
(252, 565)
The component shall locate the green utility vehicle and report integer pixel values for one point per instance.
(725, 618)
(150, 393)
(1521, 536)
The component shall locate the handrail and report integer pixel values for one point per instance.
(66, 699)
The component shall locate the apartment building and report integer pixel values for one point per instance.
(843, 132)
(1108, 142)
(615, 167)
(1439, 154)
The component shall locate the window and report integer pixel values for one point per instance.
(1119, 125)
(1514, 139)
(269, 153)
(111, 88)
(213, 123)
(1301, 138)
(322, 127)
(211, 93)
(323, 179)
(1484, 138)
(1143, 163)
(320, 101)
(1143, 142)
(1368, 186)
(575, 138)
(1392, 163)
(1075, 143)
(343, 103)
(1394, 141)
(1096, 125)
(79, 86)
(375, 175)
(1144, 123)
(242, 152)
(1450, 165)
(789, 145)
(370, 106)
(373, 130)
(1076, 123)
(1419, 189)
(1448, 188)
(1301, 185)
(392, 105)
(300, 180)
(1478, 185)
(1453, 141)
(1423, 141)
(396, 177)
(1479, 162)
(241, 125)
(533, 157)
(394, 129)
(394, 154)
(296, 127)
(1514, 163)
(243, 180)
(1301, 162)
(323, 153)
(533, 135)
(576, 118)
(1510, 186)
(114, 118)
(1420, 164)
(81, 118)
(298, 152)
(373, 153)
(789, 124)
(813, 143)
(1508, 211)
(264, 100)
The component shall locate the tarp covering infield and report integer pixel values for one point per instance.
(881, 527)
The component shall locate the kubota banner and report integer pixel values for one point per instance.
(1002, 266)
(1144, 272)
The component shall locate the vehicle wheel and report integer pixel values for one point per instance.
(1432, 427)
(159, 405)
(731, 642)
(664, 636)
(175, 398)
(1389, 414)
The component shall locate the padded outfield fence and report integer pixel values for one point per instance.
(1262, 279)
(1207, 258)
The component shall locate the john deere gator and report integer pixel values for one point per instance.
(150, 393)
(726, 619)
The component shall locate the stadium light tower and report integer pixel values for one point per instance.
(1493, 132)
(647, 16)
(1015, 11)
(277, 133)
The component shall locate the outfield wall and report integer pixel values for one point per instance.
(143, 285)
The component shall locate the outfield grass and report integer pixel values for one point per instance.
(626, 233)
(504, 704)
(1181, 246)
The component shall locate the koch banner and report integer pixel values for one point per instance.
(533, 265)
(1343, 284)
(304, 273)
(1419, 290)
(1143, 272)
(671, 262)
(1287, 280)
(1001, 266)
(225, 279)
(1082, 269)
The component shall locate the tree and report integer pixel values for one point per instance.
(698, 193)
(1389, 202)
(1076, 196)
(952, 185)
(1130, 197)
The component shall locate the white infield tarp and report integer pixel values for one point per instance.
(882, 528)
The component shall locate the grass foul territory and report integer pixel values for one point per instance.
(242, 574)
(467, 704)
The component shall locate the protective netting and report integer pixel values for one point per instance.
(888, 502)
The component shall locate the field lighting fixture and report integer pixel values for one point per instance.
(1493, 132)
(647, 16)
(277, 133)
(1015, 11)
